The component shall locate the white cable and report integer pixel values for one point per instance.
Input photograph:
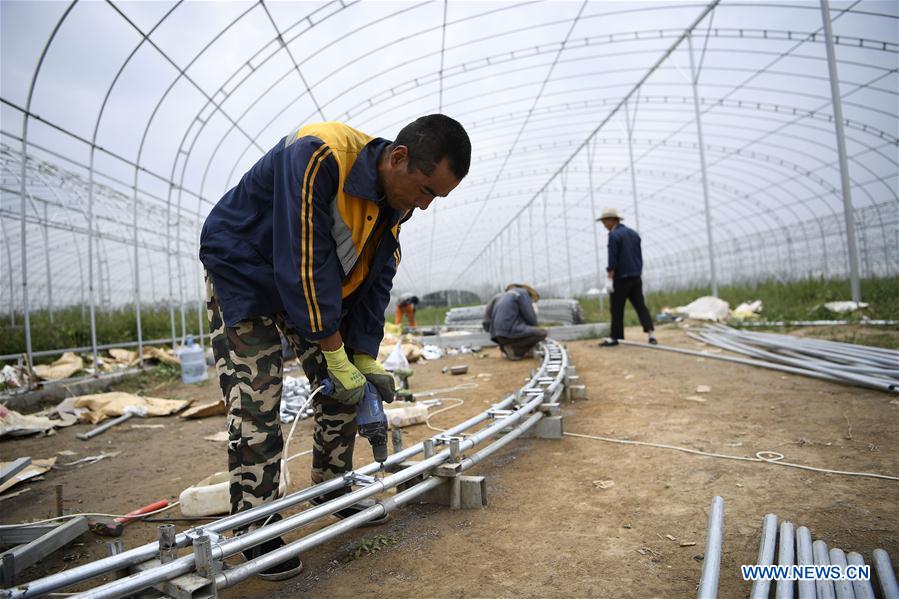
(769, 457)
(285, 473)
(459, 387)
(441, 410)
(95, 514)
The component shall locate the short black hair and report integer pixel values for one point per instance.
(432, 138)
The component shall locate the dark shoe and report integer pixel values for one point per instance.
(359, 506)
(286, 569)
(653, 341)
(608, 343)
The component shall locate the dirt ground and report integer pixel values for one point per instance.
(550, 529)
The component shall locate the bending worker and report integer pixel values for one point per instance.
(624, 283)
(511, 319)
(307, 243)
(405, 306)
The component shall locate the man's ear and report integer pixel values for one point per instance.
(399, 155)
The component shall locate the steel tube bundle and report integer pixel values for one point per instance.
(871, 367)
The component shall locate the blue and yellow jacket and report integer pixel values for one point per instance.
(305, 231)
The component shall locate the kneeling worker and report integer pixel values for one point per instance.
(511, 319)
(307, 243)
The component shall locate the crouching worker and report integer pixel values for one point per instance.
(307, 244)
(511, 320)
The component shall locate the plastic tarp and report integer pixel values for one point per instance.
(705, 308)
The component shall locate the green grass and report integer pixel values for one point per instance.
(70, 330)
(797, 300)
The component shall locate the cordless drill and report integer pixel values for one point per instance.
(370, 418)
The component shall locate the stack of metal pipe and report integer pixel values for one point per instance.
(865, 366)
(203, 572)
(786, 546)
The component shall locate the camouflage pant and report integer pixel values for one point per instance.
(250, 368)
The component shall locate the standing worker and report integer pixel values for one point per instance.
(307, 243)
(511, 320)
(624, 283)
(406, 306)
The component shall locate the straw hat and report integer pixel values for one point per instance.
(531, 291)
(609, 213)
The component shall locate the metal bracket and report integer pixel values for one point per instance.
(356, 478)
(494, 413)
(195, 533)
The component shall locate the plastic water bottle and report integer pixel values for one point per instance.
(193, 362)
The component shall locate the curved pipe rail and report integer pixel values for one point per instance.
(546, 385)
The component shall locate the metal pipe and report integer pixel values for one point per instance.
(694, 81)
(823, 588)
(711, 564)
(884, 568)
(805, 557)
(243, 542)
(862, 588)
(553, 354)
(105, 426)
(848, 210)
(757, 363)
(767, 545)
(786, 556)
(842, 588)
(46, 232)
(865, 381)
(239, 573)
(630, 155)
(235, 575)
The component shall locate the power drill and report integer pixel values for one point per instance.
(371, 419)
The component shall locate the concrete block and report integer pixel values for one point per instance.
(550, 427)
(459, 492)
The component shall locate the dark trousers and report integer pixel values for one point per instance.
(519, 346)
(630, 288)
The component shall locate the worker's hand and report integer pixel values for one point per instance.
(377, 376)
(610, 286)
(349, 383)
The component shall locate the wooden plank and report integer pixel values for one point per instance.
(12, 468)
(30, 553)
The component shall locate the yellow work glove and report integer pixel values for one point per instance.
(349, 383)
(377, 376)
